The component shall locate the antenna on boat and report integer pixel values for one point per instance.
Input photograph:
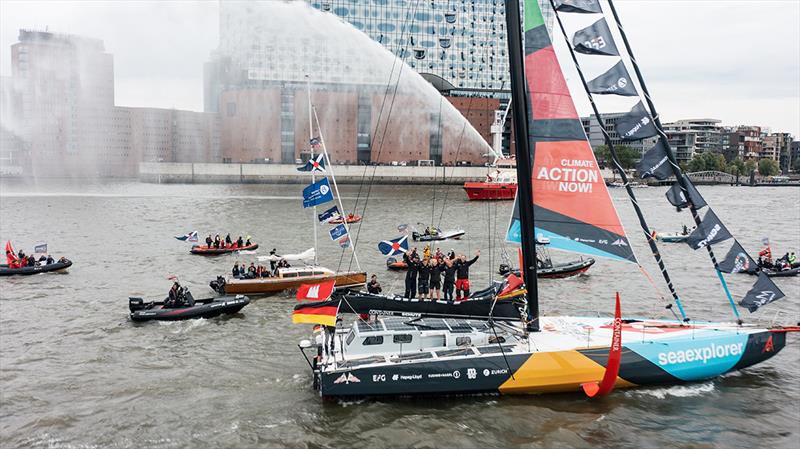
(313, 177)
(519, 102)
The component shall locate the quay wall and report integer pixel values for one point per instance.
(173, 172)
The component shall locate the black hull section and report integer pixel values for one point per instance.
(28, 271)
(558, 271)
(365, 303)
(210, 309)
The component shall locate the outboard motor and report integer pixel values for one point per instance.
(504, 269)
(135, 304)
(218, 285)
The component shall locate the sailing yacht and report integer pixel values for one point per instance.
(567, 202)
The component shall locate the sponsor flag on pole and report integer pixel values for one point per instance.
(189, 237)
(579, 6)
(316, 292)
(595, 39)
(737, 260)
(615, 81)
(315, 164)
(41, 248)
(394, 247)
(316, 313)
(317, 193)
(764, 291)
(709, 232)
(338, 231)
(636, 124)
(655, 163)
(330, 214)
(344, 242)
(676, 197)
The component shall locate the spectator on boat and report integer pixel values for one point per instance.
(435, 283)
(426, 252)
(411, 259)
(462, 275)
(21, 255)
(32, 261)
(685, 230)
(424, 276)
(792, 259)
(439, 255)
(175, 296)
(449, 268)
(235, 271)
(273, 263)
(50, 260)
(239, 242)
(217, 241)
(374, 286)
(228, 241)
(247, 243)
(258, 271)
(209, 241)
(42, 258)
(251, 271)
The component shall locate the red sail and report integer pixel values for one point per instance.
(606, 385)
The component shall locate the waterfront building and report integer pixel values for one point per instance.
(689, 137)
(777, 146)
(743, 142)
(595, 134)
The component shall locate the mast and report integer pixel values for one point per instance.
(314, 217)
(676, 170)
(642, 222)
(519, 103)
(336, 189)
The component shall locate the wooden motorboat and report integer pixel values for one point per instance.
(211, 251)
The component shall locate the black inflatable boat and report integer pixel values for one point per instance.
(27, 271)
(202, 308)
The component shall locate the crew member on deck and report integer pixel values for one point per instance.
(424, 275)
(436, 278)
(449, 283)
(411, 259)
(462, 275)
(374, 286)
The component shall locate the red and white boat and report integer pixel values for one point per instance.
(500, 185)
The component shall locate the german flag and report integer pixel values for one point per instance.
(323, 312)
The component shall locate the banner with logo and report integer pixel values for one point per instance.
(737, 260)
(579, 6)
(316, 292)
(615, 81)
(328, 215)
(764, 291)
(317, 193)
(595, 39)
(338, 231)
(676, 197)
(710, 231)
(655, 163)
(636, 124)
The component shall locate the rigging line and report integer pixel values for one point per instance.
(439, 134)
(676, 170)
(458, 148)
(615, 159)
(412, 16)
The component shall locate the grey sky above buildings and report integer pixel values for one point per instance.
(738, 61)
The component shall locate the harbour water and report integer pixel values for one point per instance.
(75, 372)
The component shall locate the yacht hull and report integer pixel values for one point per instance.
(652, 360)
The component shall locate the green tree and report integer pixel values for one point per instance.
(707, 162)
(628, 157)
(749, 167)
(736, 167)
(768, 167)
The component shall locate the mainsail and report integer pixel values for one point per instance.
(571, 203)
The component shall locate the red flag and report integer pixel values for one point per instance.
(316, 292)
(606, 385)
(512, 283)
(11, 256)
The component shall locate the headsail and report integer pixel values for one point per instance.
(571, 203)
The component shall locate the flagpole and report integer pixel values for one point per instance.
(313, 178)
(336, 189)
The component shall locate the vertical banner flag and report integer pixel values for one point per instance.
(338, 231)
(595, 39)
(41, 248)
(316, 292)
(615, 81)
(655, 163)
(737, 260)
(317, 193)
(315, 164)
(579, 6)
(329, 215)
(764, 291)
(393, 247)
(676, 197)
(636, 124)
(709, 232)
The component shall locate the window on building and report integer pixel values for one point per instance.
(231, 109)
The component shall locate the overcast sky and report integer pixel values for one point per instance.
(738, 61)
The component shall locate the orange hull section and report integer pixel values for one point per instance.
(483, 191)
